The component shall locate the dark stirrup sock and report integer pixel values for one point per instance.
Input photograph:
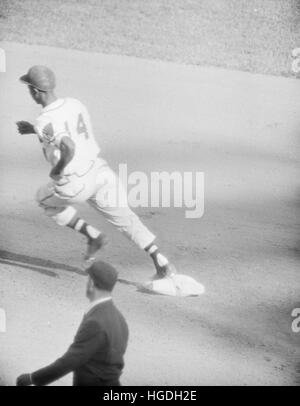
(158, 259)
(80, 225)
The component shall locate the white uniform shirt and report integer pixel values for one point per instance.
(67, 117)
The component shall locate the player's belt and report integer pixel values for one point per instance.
(89, 168)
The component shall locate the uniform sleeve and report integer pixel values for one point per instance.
(87, 342)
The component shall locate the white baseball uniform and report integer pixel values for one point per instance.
(87, 177)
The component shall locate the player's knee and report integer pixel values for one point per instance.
(62, 215)
(42, 196)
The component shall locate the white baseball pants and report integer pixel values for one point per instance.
(102, 189)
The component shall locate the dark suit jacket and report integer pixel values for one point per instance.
(96, 355)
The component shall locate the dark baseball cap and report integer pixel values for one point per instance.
(40, 77)
(103, 275)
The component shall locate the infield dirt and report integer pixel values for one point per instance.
(241, 130)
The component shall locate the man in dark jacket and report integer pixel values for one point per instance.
(96, 356)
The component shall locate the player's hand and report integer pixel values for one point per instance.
(55, 175)
(24, 380)
(25, 128)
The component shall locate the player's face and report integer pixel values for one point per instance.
(35, 94)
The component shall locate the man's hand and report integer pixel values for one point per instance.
(67, 151)
(55, 174)
(25, 128)
(24, 380)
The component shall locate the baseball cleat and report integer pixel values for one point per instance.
(162, 265)
(165, 271)
(94, 245)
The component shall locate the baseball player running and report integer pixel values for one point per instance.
(78, 173)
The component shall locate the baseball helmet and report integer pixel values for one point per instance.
(39, 77)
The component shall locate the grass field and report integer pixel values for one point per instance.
(255, 35)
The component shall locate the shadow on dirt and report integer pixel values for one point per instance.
(46, 266)
(139, 286)
(43, 266)
(130, 283)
